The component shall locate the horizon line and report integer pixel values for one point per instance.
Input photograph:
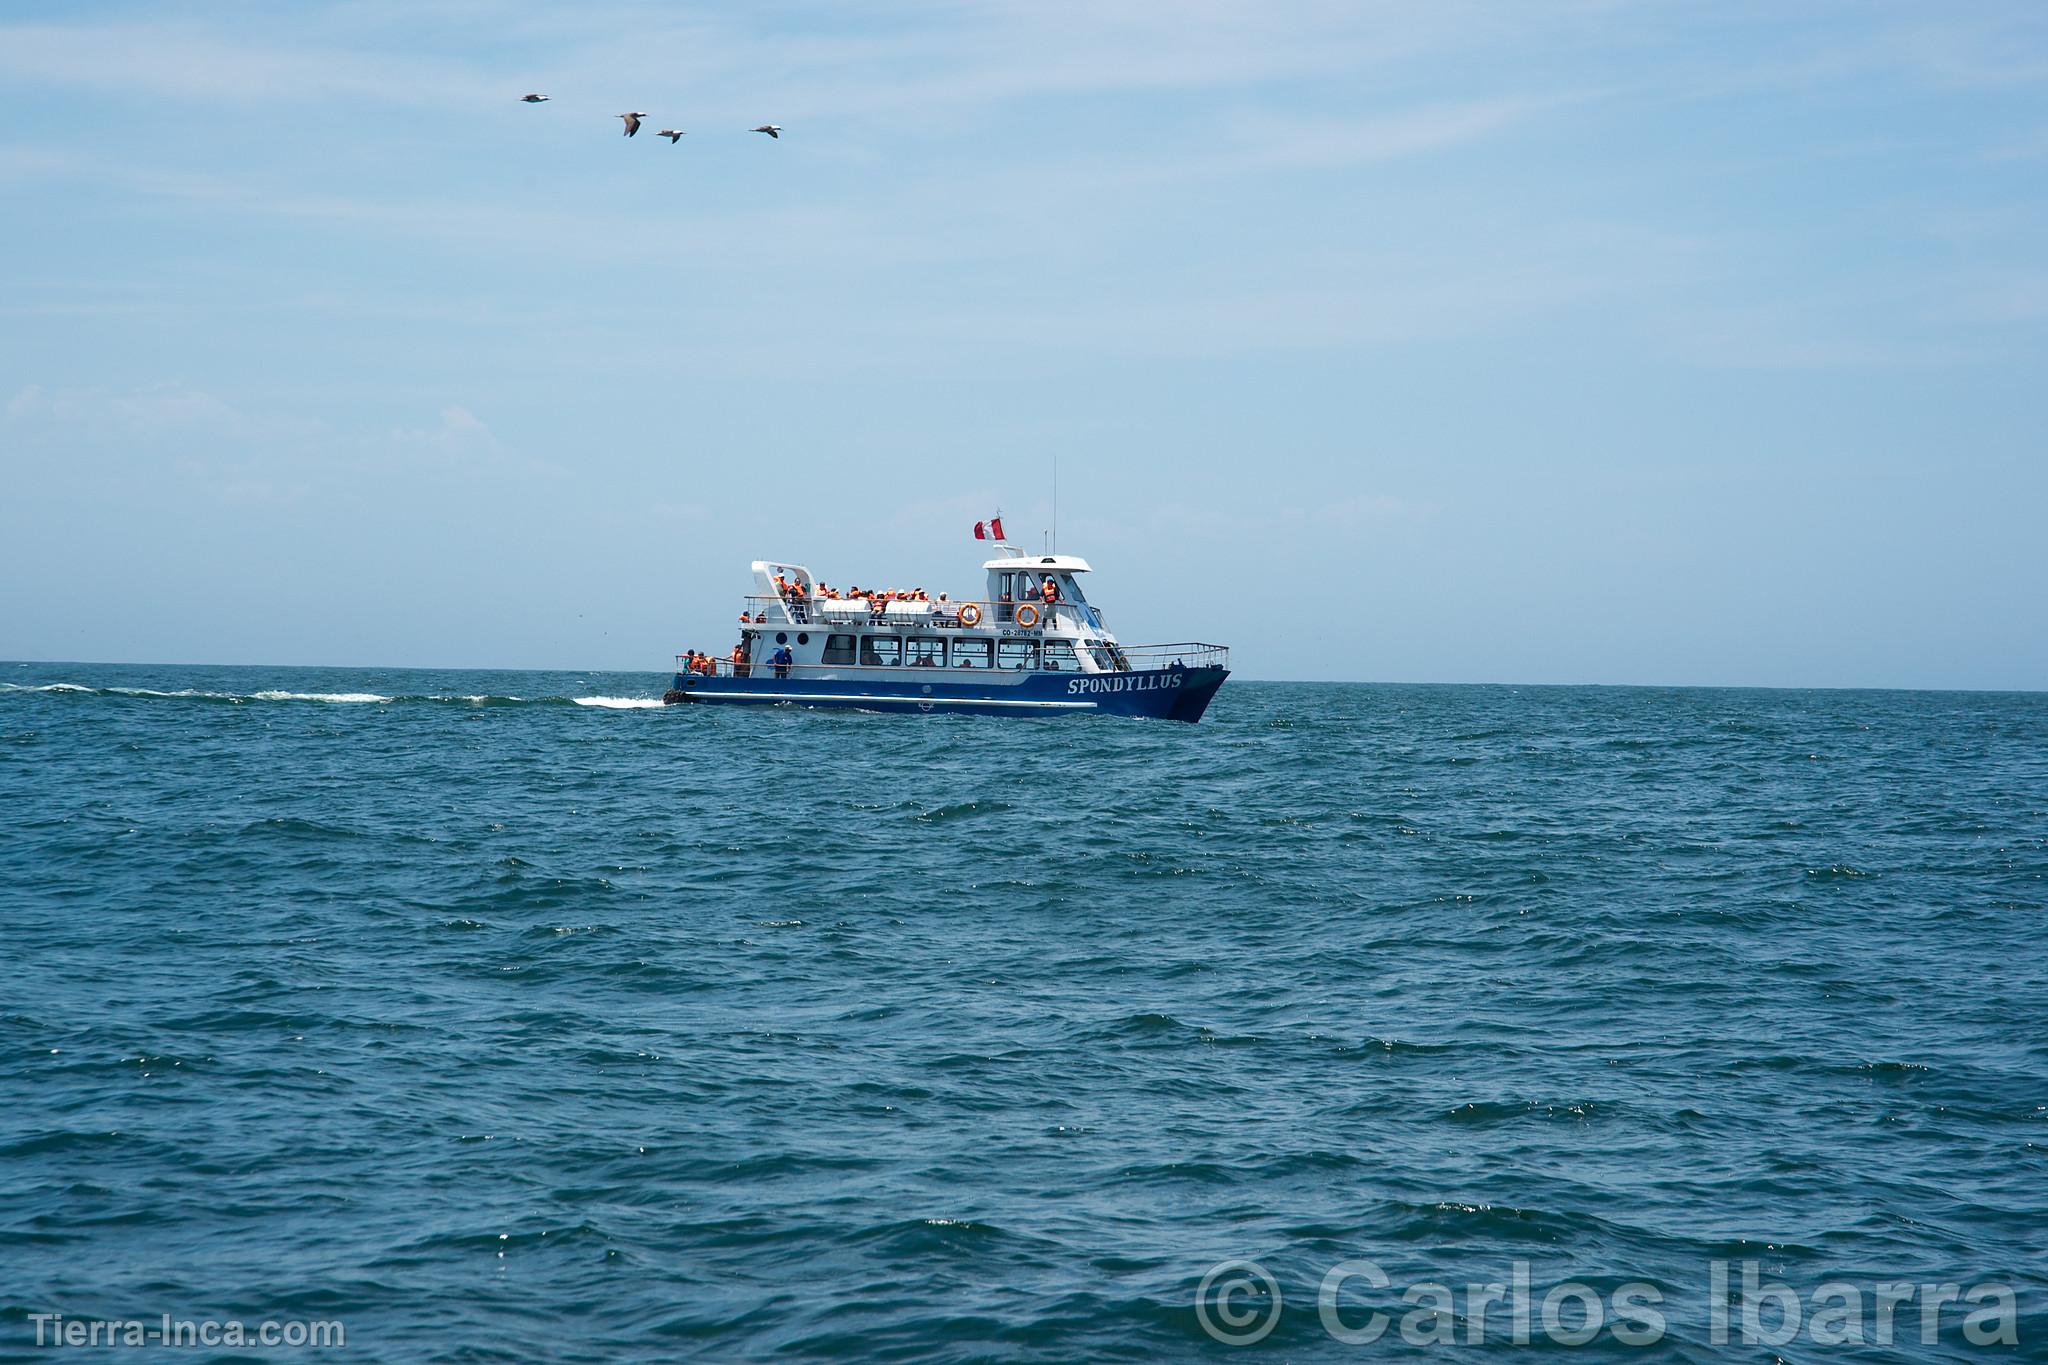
(1284, 682)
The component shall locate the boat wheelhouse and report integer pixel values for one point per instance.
(1032, 644)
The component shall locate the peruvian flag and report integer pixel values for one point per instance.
(990, 529)
(995, 525)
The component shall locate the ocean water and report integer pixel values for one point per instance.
(502, 1016)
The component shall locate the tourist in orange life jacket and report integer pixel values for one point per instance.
(739, 660)
(1050, 592)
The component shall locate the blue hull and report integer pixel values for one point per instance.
(1160, 693)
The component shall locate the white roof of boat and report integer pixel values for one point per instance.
(1042, 563)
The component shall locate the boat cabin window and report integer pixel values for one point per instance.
(1018, 653)
(970, 653)
(927, 653)
(1059, 657)
(838, 649)
(881, 651)
(1104, 660)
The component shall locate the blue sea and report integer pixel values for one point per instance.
(512, 1016)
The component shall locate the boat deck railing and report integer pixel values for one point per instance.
(936, 615)
(1188, 654)
(1135, 658)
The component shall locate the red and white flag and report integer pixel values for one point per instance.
(996, 526)
(992, 529)
(980, 531)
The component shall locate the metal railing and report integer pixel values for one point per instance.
(1189, 654)
(826, 611)
(726, 668)
(1139, 657)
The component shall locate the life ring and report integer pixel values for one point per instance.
(970, 615)
(1027, 620)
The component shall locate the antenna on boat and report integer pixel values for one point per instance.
(1055, 502)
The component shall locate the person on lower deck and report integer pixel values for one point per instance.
(782, 659)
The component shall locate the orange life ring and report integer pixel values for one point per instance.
(970, 615)
(1027, 621)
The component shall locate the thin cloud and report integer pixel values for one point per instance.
(179, 62)
(933, 59)
(1274, 141)
(164, 409)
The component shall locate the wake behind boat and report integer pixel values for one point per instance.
(1031, 645)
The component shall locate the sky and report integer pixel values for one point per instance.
(1561, 341)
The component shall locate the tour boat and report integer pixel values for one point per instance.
(1031, 645)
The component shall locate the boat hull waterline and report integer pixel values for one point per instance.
(1160, 693)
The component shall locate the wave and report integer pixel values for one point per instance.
(332, 698)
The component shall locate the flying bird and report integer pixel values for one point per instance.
(773, 130)
(533, 99)
(674, 135)
(632, 122)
